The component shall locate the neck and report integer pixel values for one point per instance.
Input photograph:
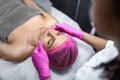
(34, 38)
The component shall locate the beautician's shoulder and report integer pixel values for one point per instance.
(88, 70)
(104, 56)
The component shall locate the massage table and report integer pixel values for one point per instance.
(25, 70)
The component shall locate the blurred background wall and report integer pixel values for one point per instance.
(77, 10)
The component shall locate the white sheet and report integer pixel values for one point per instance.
(26, 71)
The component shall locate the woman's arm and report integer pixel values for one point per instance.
(14, 51)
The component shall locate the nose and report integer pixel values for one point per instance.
(52, 33)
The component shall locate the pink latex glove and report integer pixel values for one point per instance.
(41, 62)
(64, 27)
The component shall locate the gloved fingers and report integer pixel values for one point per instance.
(59, 27)
(54, 27)
(62, 26)
(41, 48)
(36, 50)
(40, 44)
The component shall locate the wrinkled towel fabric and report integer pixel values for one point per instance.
(13, 13)
(44, 4)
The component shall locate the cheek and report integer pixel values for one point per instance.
(44, 40)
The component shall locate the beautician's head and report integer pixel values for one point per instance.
(61, 49)
(106, 17)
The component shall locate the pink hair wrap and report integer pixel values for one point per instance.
(64, 55)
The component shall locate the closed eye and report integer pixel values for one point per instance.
(60, 33)
(50, 42)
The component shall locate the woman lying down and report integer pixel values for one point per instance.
(22, 26)
(25, 29)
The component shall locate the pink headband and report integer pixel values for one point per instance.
(52, 50)
(63, 55)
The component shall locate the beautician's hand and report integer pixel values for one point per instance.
(64, 27)
(41, 62)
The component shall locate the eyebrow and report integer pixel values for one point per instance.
(55, 39)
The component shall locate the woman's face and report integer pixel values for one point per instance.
(102, 17)
(52, 38)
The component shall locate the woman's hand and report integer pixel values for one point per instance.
(41, 62)
(64, 27)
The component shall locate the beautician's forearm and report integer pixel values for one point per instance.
(97, 42)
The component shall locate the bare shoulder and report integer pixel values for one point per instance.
(20, 38)
(22, 48)
(16, 50)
